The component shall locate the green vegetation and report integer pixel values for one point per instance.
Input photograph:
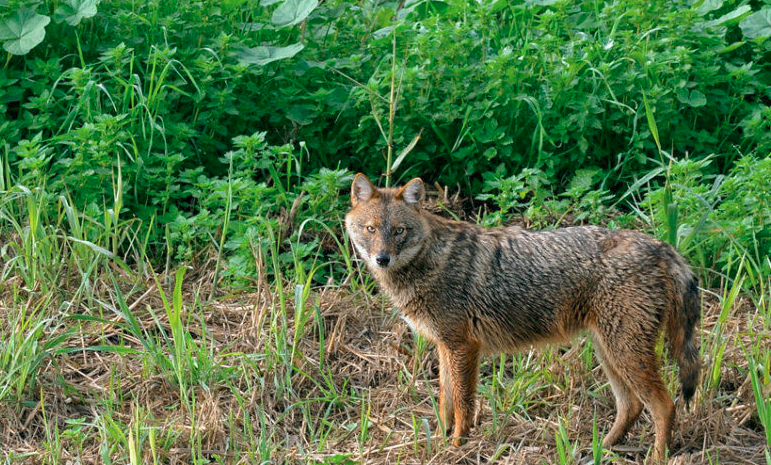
(176, 285)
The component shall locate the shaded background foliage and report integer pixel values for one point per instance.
(162, 113)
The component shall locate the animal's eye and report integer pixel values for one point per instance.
(399, 230)
(371, 229)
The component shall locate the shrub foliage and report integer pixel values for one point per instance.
(172, 115)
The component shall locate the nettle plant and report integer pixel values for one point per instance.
(129, 102)
(717, 217)
(559, 85)
(537, 104)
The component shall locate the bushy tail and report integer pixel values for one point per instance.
(682, 322)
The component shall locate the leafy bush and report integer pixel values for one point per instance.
(722, 219)
(140, 111)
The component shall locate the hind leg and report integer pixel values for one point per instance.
(628, 405)
(656, 399)
(629, 314)
(640, 373)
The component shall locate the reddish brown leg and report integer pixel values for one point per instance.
(445, 391)
(463, 381)
(628, 405)
(643, 373)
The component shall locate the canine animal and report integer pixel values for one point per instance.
(473, 291)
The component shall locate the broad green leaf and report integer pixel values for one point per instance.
(72, 11)
(384, 17)
(682, 94)
(263, 55)
(420, 8)
(292, 12)
(583, 180)
(697, 99)
(737, 13)
(302, 114)
(531, 3)
(383, 32)
(708, 5)
(757, 24)
(23, 31)
(693, 98)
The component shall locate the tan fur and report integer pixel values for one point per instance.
(475, 291)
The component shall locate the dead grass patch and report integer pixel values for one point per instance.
(374, 367)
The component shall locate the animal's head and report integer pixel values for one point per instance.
(386, 225)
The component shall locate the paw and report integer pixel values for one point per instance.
(458, 441)
(659, 457)
(442, 432)
(478, 414)
(609, 442)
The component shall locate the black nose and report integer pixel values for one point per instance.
(383, 259)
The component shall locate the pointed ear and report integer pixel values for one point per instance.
(413, 192)
(362, 190)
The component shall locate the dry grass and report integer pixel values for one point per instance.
(373, 373)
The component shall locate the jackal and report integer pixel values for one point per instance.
(473, 291)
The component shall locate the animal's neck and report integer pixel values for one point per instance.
(409, 273)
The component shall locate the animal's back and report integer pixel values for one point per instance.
(508, 287)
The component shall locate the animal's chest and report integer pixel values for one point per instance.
(422, 325)
(413, 307)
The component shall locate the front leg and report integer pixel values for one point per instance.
(445, 390)
(463, 371)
